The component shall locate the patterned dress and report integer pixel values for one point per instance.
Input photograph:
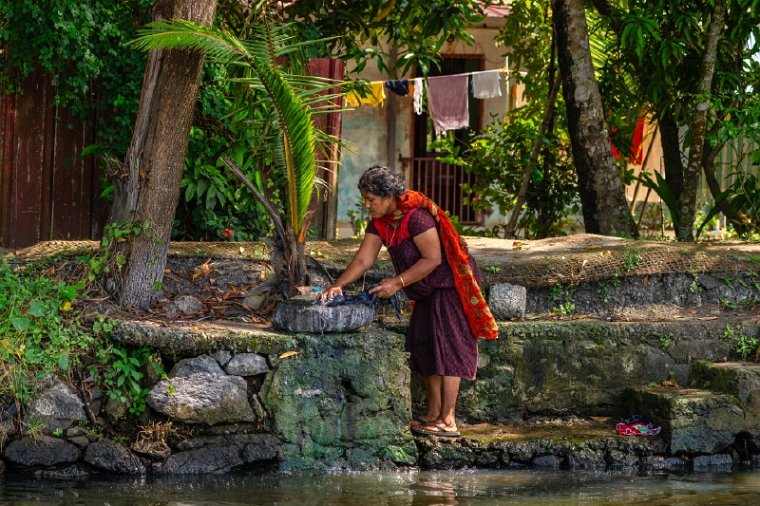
(439, 339)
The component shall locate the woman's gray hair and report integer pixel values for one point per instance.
(382, 181)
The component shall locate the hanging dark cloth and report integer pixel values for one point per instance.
(398, 86)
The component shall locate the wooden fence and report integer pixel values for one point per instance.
(47, 189)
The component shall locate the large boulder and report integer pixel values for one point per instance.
(342, 401)
(297, 315)
(206, 460)
(195, 365)
(507, 301)
(202, 398)
(247, 364)
(42, 451)
(112, 456)
(739, 379)
(56, 407)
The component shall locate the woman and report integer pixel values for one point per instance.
(440, 277)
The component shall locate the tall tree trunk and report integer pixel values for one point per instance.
(605, 210)
(671, 154)
(687, 202)
(148, 191)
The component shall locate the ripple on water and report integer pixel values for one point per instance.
(410, 488)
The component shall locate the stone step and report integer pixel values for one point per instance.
(741, 379)
(568, 444)
(693, 421)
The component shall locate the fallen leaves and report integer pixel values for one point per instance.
(287, 354)
(204, 270)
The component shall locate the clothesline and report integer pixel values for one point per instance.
(447, 96)
(502, 70)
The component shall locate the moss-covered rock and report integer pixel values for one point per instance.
(581, 367)
(692, 420)
(343, 400)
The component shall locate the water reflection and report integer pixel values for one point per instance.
(461, 488)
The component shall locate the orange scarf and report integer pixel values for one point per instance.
(479, 317)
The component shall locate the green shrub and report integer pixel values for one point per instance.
(43, 333)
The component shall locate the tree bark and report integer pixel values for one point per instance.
(687, 202)
(605, 210)
(148, 189)
(671, 154)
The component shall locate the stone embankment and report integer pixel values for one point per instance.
(572, 359)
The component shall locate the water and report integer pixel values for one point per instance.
(410, 488)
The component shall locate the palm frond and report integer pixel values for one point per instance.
(183, 34)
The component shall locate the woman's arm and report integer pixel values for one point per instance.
(429, 244)
(361, 262)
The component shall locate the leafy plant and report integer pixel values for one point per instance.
(563, 296)
(120, 369)
(743, 197)
(358, 218)
(665, 341)
(604, 288)
(567, 308)
(695, 286)
(106, 260)
(746, 346)
(660, 186)
(213, 205)
(39, 332)
(632, 259)
(497, 158)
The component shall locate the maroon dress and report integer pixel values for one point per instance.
(439, 339)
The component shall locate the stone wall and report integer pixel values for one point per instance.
(242, 396)
(683, 290)
(235, 398)
(582, 367)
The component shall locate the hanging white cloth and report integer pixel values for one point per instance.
(417, 95)
(486, 84)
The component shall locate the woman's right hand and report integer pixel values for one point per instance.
(331, 293)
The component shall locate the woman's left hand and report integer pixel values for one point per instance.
(387, 287)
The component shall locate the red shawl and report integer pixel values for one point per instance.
(479, 317)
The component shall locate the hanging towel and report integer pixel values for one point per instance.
(399, 86)
(417, 95)
(486, 84)
(448, 102)
(376, 96)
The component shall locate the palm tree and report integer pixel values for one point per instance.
(295, 98)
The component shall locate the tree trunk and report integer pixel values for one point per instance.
(671, 154)
(687, 202)
(148, 190)
(605, 210)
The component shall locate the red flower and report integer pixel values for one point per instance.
(228, 233)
